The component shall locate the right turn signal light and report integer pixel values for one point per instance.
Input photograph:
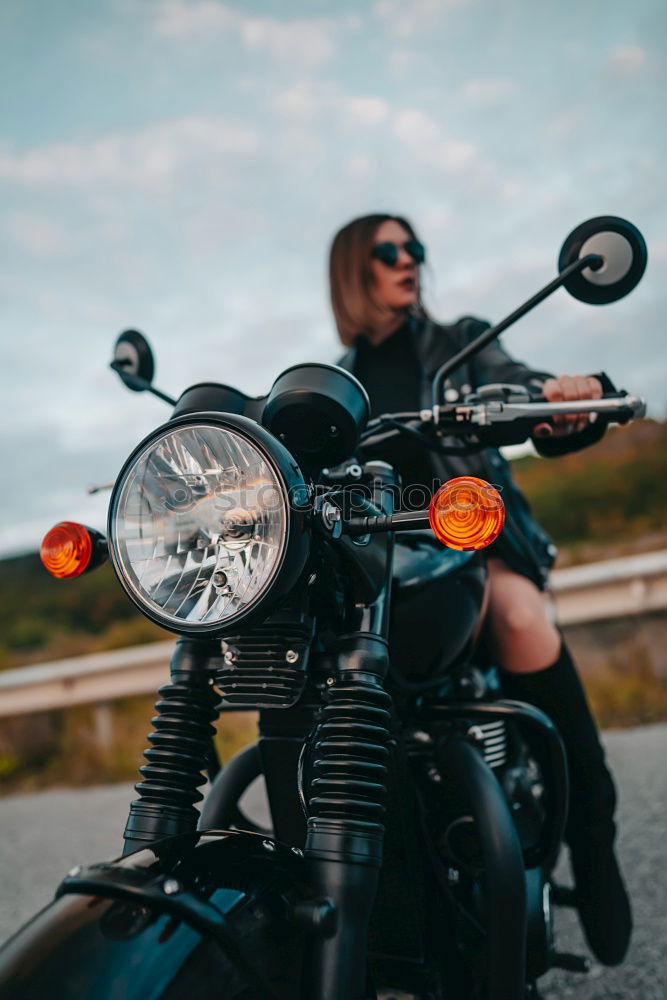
(467, 514)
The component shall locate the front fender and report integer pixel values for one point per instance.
(194, 916)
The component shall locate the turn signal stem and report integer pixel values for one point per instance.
(404, 520)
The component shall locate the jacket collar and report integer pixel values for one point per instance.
(420, 330)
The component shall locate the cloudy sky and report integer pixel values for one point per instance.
(179, 166)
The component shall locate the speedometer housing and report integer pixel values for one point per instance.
(209, 524)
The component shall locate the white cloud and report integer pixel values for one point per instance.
(152, 157)
(406, 18)
(304, 43)
(364, 110)
(512, 189)
(658, 250)
(400, 59)
(176, 18)
(414, 127)
(300, 150)
(568, 123)
(422, 136)
(301, 43)
(300, 101)
(306, 101)
(487, 92)
(359, 166)
(38, 235)
(439, 219)
(627, 60)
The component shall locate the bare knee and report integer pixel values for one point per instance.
(520, 618)
(514, 602)
(518, 614)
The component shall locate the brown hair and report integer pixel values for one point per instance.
(350, 276)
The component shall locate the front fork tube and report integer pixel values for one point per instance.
(347, 793)
(180, 750)
(346, 818)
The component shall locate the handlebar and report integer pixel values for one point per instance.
(477, 418)
(617, 408)
(472, 419)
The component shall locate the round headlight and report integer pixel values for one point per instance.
(206, 523)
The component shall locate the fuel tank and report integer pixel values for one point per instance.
(192, 917)
(438, 605)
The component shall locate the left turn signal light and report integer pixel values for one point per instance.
(69, 549)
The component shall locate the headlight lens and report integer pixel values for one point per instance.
(198, 525)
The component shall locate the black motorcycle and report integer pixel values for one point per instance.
(414, 820)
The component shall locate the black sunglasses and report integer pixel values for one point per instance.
(388, 252)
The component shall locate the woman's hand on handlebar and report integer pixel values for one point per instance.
(565, 389)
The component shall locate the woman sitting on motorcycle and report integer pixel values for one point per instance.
(394, 349)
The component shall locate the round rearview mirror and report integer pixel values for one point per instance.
(624, 256)
(133, 360)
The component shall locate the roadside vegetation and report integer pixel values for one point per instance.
(605, 501)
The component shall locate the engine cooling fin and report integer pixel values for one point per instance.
(491, 741)
(264, 667)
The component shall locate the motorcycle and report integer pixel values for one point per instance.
(414, 823)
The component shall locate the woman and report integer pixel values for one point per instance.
(395, 349)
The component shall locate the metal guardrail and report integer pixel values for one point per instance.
(85, 680)
(615, 588)
(594, 592)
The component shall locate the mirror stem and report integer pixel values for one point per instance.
(592, 260)
(161, 395)
(139, 384)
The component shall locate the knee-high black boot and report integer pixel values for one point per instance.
(602, 901)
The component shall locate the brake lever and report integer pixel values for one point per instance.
(621, 405)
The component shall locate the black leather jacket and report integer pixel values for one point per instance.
(524, 545)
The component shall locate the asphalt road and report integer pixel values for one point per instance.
(44, 835)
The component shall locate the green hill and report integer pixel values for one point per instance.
(42, 618)
(607, 500)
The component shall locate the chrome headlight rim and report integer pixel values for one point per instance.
(296, 544)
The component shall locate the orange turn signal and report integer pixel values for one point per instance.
(66, 550)
(467, 514)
